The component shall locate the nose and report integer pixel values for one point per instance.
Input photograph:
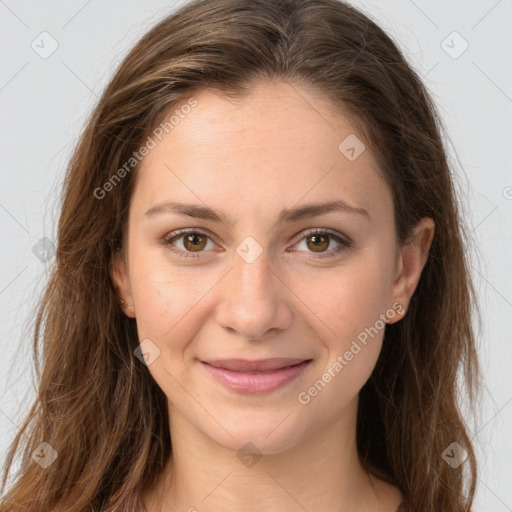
(256, 299)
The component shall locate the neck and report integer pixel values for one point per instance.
(322, 473)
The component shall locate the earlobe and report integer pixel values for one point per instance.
(122, 285)
(412, 259)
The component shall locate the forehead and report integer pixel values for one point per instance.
(273, 114)
(279, 143)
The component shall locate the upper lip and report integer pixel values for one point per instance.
(244, 365)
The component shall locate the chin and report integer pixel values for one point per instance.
(264, 438)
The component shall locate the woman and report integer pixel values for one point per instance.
(261, 299)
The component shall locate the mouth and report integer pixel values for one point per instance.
(255, 377)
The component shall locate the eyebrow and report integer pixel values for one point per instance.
(286, 215)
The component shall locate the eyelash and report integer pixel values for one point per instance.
(169, 239)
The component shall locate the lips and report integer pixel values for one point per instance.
(263, 365)
(255, 377)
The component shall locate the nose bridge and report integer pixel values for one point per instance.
(252, 274)
(252, 270)
(254, 301)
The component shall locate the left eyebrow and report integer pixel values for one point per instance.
(317, 209)
(286, 215)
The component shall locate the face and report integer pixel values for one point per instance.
(256, 267)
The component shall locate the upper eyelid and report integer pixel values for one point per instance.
(182, 232)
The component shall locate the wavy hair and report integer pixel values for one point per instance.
(98, 406)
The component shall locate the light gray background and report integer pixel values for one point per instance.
(44, 101)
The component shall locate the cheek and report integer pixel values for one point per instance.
(171, 302)
(162, 301)
(348, 310)
(171, 305)
(345, 300)
(347, 306)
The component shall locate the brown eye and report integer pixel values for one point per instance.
(189, 244)
(194, 242)
(319, 243)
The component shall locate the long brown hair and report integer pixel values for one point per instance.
(97, 405)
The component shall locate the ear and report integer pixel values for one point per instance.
(411, 259)
(121, 280)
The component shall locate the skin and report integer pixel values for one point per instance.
(277, 148)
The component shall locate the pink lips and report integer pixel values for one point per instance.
(255, 377)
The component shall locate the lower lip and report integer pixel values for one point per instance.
(256, 382)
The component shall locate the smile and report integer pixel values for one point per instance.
(255, 377)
